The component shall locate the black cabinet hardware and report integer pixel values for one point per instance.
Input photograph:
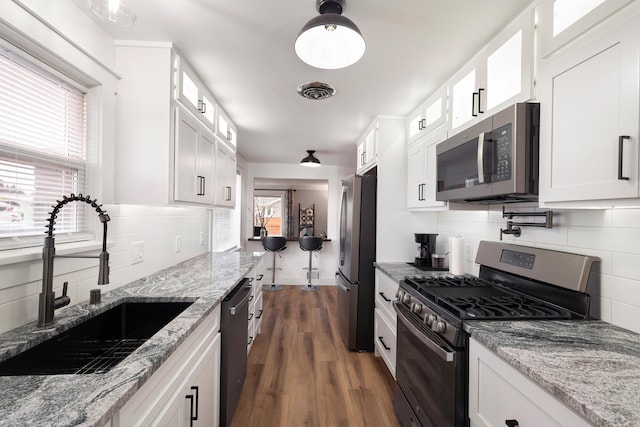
(383, 344)
(250, 316)
(384, 297)
(511, 423)
(259, 314)
(202, 106)
(480, 100)
(250, 341)
(193, 414)
(621, 139)
(260, 276)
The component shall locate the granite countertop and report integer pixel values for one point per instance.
(398, 270)
(93, 399)
(591, 366)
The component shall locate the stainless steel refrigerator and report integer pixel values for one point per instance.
(355, 275)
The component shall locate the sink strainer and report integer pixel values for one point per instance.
(316, 90)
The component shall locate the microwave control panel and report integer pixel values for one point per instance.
(503, 153)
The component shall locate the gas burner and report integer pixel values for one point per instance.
(517, 307)
(447, 280)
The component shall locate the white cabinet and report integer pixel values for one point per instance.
(385, 320)
(225, 194)
(561, 21)
(185, 386)
(368, 149)
(165, 148)
(590, 123)
(194, 166)
(498, 392)
(193, 95)
(429, 116)
(256, 276)
(225, 129)
(501, 74)
(421, 172)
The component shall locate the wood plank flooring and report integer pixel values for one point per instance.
(301, 374)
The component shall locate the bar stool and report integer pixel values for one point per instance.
(310, 244)
(273, 244)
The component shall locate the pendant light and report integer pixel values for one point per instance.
(118, 12)
(310, 161)
(330, 40)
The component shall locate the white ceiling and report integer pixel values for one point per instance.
(243, 51)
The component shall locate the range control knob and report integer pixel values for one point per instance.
(406, 298)
(430, 319)
(439, 327)
(399, 294)
(416, 307)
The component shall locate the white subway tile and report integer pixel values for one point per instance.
(625, 218)
(625, 265)
(625, 316)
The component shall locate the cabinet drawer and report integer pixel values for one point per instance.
(386, 289)
(385, 336)
(519, 398)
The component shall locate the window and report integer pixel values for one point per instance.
(42, 150)
(267, 212)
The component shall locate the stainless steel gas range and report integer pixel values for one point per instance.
(515, 282)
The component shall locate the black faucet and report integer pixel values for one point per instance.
(48, 301)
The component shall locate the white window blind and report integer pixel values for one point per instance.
(42, 150)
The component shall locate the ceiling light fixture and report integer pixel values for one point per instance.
(118, 12)
(310, 161)
(330, 40)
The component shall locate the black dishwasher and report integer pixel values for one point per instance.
(233, 359)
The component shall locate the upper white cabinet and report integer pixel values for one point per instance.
(521, 400)
(226, 130)
(421, 172)
(195, 150)
(431, 114)
(192, 93)
(165, 148)
(501, 74)
(225, 194)
(563, 20)
(368, 149)
(590, 120)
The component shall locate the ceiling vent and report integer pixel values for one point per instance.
(316, 90)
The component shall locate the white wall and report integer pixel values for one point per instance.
(92, 53)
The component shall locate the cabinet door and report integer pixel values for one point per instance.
(361, 156)
(371, 147)
(589, 141)
(225, 130)
(225, 177)
(520, 398)
(205, 167)
(422, 174)
(187, 139)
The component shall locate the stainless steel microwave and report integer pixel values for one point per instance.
(494, 161)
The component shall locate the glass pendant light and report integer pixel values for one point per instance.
(118, 12)
(330, 40)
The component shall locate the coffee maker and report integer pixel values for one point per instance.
(427, 246)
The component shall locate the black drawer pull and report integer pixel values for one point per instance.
(259, 315)
(384, 297)
(383, 344)
(260, 276)
(250, 316)
(621, 139)
(193, 415)
(511, 423)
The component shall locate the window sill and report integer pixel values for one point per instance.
(14, 256)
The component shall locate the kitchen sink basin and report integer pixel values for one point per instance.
(98, 344)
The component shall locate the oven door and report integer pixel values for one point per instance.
(431, 375)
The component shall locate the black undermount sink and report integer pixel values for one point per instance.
(98, 344)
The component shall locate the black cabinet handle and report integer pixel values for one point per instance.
(202, 106)
(422, 124)
(621, 139)
(193, 415)
(260, 276)
(511, 423)
(250, 316)
(250, 297)
(473, 104)
(480, 100)
(250, 341)
(384, 297)
(383, 344)
(259, 314)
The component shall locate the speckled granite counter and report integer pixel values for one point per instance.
(591, 366)
(92, 400)
(398, 270)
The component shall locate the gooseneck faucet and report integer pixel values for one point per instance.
(48, 301)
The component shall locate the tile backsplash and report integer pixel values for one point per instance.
(612, 235)
(156, 227)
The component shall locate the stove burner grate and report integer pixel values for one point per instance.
(503, 307)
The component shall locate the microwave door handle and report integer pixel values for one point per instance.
(481, 158)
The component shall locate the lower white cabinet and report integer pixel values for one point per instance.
(385, 320)
(498, 392)
(255, 305)
(185, 390)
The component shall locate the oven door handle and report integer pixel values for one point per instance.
(448, 356)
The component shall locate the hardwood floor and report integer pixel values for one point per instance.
(301, 374)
